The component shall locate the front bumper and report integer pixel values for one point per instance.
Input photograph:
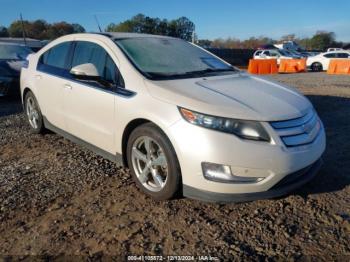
(9, 86)
(272, 161)
(285, 186)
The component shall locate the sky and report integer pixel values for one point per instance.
(213, 19)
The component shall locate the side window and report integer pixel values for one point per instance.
(330, 55)
(267, 53)
(88, 52)
(342, 55)
(56, 56)
(273, 53)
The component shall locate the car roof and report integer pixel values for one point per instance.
(9, 43)
(336, 52)
(123, 35)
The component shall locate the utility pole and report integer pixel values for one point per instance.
(23, 30)
(98, 24)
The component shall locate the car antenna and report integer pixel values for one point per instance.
(98, 24)
(23, 30)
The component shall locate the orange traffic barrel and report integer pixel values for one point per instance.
(262, 66)
(339, 67)
(292, 66)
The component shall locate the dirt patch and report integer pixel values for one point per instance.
(58, 199)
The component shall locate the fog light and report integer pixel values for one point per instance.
(222, 173)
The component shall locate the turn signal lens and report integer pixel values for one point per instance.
(188, 115)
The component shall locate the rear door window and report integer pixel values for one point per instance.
(56, 56)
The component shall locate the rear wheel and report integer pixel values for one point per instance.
(153, 162)
(33, 113)
(316, 67)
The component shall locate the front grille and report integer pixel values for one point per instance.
(298, 131)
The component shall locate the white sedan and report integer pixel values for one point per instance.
(183, 120)
(321, 61)
(274, 54)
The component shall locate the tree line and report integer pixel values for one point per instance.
(40, 29)
(321, 40)
(181, 27)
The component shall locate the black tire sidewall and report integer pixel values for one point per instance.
(317, 67)
(40, 127)
(172, 186)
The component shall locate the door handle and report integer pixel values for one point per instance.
(68, 86)
(38, 77)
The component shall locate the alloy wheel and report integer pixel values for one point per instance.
(150, 163)
(32, 112)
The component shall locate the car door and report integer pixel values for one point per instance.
(52, 67)
(326, 60)
(90, 105)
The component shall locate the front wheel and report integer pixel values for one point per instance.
(316, 67)
(33, 113)
(153, 162)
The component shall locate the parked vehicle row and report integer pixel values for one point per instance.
(274, 54)
(321, 61)
(318, 62)
(12, 59)
(180, 118)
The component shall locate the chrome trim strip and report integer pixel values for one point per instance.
(299, 129)
(302, 139)
(293, 122)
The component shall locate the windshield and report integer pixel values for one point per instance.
(15, 52)
(285, 53)
(169, 58)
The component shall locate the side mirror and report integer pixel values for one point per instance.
(85, 72)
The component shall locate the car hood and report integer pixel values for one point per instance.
(240, 96)
(12, 67)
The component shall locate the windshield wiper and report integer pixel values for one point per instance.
(197, 73)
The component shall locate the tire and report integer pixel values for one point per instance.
(155, 171)
(33, 113)
(316, 67)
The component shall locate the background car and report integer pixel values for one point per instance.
(334, 49)
(321, 61)
(12, 59)
(274, 54)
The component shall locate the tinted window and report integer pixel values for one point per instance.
(88, 52)
(342, 55)
(330, 55)
(267, 53)
(258, 52)
(56, 56)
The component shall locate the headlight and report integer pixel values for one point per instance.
(246, 129)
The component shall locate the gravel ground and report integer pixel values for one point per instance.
(58, 199)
